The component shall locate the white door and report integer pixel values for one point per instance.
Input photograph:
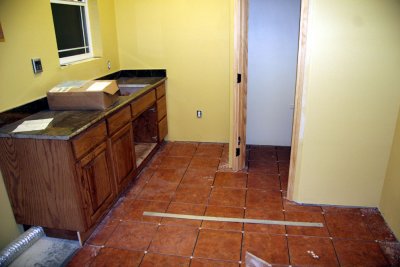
(272, 60)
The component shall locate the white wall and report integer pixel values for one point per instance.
(273, 47)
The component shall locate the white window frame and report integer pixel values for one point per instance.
(71, 59)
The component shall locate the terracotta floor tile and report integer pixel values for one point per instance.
(103, 232)
(209, 150)
(133, 210)
(359, 253)
(264, 199)
(156, 161)
(219, 245)
(301, 249)
(263, 181)
(283, 155)
(174, 240)
(135, 188)
(260, 155)
(283, 166)
(174, 162)
(227, 197)
(377, 225)
(306, 217)
(165, 147)
(132, 235)
(194, 195)
(181, 149)
(155, 260)
(111, 257)
(196, 177)
(347, 225)
(158, 190)
(262, 214)
(204, 163)
(392, 252)
(218, 211)
(84, 256)
(212, 263)
(293, 206)
(231, 179)
(224, 164)
(168, 175)
(284, 177)
(184, 208)
(270, 248)
(263, 167)
(146, 174)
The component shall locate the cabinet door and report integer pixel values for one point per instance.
(95, 175)
(123, 156)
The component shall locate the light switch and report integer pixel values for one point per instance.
(37, 65)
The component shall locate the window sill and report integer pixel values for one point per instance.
(66, 65)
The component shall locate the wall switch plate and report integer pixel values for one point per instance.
(199, 114)
(37, 65)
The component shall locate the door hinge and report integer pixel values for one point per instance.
(239, 141)
(239, 78)
(237, 152)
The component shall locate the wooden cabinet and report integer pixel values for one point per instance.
(161, 112)
(94, 174)
(123, 156)
(69, 185)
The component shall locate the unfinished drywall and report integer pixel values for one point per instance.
(191, 39)
(30, 34)
(352, 98)
(273, 45)
(390, 196)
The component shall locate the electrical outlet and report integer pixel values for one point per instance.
(37, 65)
(108, 64)
(199, 114)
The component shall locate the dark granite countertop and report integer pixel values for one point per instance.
(67, 124)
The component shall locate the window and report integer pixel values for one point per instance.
(71, 24)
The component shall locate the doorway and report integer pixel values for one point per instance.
(273, 35)
(239, 111)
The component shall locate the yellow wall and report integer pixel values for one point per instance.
(29, 33)
(390, 198)
(191, 39)
(351, 99)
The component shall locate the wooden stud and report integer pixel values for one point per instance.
(301, 65)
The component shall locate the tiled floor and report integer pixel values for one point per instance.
(189, 178)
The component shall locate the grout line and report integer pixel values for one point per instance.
(331, 238)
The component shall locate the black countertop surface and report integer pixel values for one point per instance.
(67, 124)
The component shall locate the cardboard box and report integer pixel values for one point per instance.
(83, 95)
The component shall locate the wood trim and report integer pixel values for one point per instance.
(1, 34)
(240, 89)
(301, 65)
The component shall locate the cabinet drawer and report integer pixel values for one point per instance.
(162, 129)
(161, 108)
(144, 102)
(119, 119)
(89, 139)
(160, 91)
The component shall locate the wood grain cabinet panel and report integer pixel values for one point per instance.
(162, 129)
(160, 91)
(95, 175)
(144, 102)
(123, 156)
(161, 108)
(89, 139)
(118, 120)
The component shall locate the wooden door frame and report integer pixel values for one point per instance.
(240, 42)
(240, 90)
